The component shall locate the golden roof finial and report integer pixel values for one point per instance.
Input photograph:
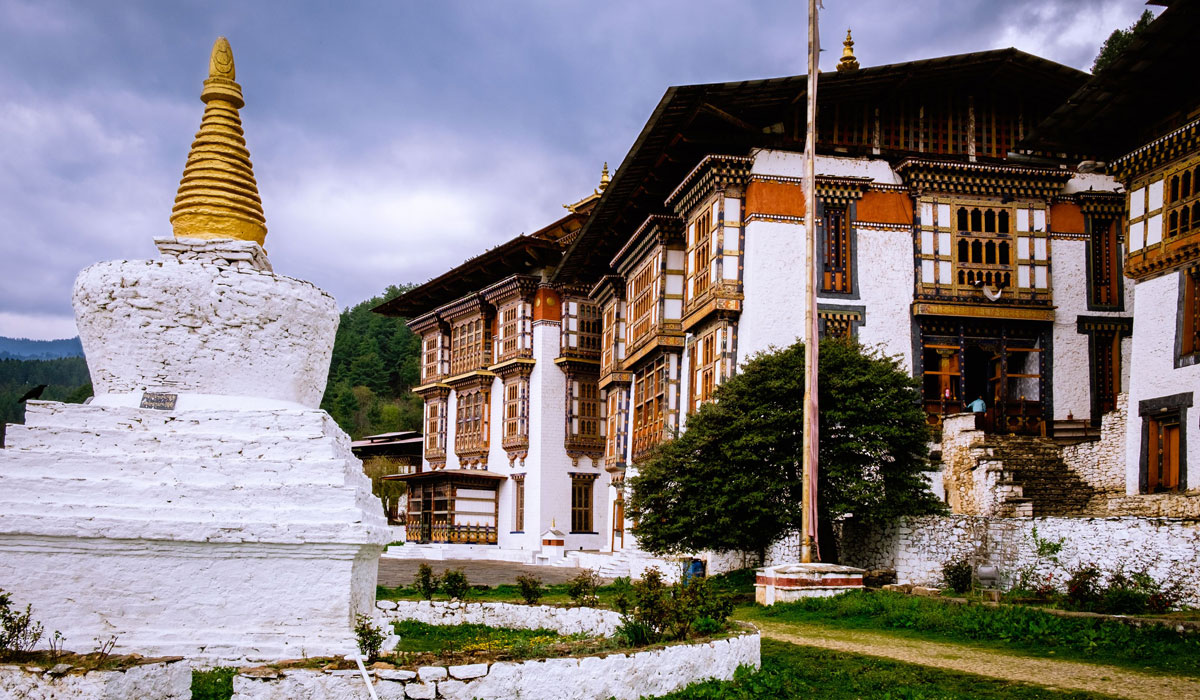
(604, 179)
(848, 62)
(218, 196)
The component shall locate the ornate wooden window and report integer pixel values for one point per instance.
(616, 399)
(581, 502)
(435, 429)
(643, 295)
(585, 415)
(836, 270)
(516, 413)
(700, 253)
(514, 331)
(469, 345)
(612, 340)
(1183, 200)
(1104, 351)
(434, 354)
(581, 329)
(709, 362)
(653, 412)
(471, 425)
(1104, 264)
(518, 502)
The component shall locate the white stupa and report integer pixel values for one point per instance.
(202, 504)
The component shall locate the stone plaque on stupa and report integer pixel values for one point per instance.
(201, 504)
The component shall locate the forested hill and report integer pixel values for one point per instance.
(376, 362)
(66, 379)
(26, 349)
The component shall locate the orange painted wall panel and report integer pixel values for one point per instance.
(778, 198)
(885, 208)
(547, 305)
(1066, 218)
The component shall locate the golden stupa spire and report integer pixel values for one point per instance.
(848, 62)
(218, 197)
(604, 178)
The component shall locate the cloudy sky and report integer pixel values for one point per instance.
(393, 140)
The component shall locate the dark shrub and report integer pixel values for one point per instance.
(622, 591)
(582, 588)
(531, 588)
(1084, 587)
(425, 582)
(18, 631)
(706, 626)
(958, 575)
(370, 637)
(454, 584)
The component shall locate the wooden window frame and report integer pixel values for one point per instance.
(837, 265)
(518, 503)
(1164, 421)
(582, 502)
(470, 343)
(650, 386)
(643, 294)
(1105, 286)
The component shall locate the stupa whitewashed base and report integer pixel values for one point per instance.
(785, 583)
(236, 525)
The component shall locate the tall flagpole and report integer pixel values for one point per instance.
(808, 530)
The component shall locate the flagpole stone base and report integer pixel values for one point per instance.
(785, 583)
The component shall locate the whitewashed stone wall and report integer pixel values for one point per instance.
(1102, 463)
(580, 620)
(157, 681)
(918, 547)
(624, 676)
(208, 317)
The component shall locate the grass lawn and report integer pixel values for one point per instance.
(1016, 629)
(791, 671)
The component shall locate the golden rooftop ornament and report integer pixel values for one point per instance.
(218, 196)
(604, 179)
(848, 62)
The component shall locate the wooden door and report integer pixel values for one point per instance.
(1163, 460)
(618, 534)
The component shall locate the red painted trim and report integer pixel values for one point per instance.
(553, 543)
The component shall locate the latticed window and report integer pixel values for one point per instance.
(467, 344)
(643, 293)
(704, 360)
(838, 323)
(615, 401)
(649, 405)
(612, 339)
(431, 356)
(836, 270)
(515, 402)
(435, 429)
(1183, 201)
(471, 422)
(581, 502)
(585, 409)
(984, 255)
(700, 254)
(581, 329)
(508, 331)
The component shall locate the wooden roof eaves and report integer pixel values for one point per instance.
(474, 274)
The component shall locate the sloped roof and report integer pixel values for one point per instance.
(692, 121)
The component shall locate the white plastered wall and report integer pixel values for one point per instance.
(1153, 373)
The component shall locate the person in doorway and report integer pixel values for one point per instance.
(977, 406)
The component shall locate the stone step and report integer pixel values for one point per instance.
(117, 442)
(229, 423)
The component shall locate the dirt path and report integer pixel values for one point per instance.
(1050, 673)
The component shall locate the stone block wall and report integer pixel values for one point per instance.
(161, 681)
(589, 621)
(1102, 463)
(918, 547)
(625, 676)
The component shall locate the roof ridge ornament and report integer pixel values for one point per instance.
(848, 62)
(218, 195)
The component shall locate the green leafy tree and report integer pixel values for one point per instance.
(732, 480)
(1120, 40)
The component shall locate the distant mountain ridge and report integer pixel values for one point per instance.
(26, 349)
